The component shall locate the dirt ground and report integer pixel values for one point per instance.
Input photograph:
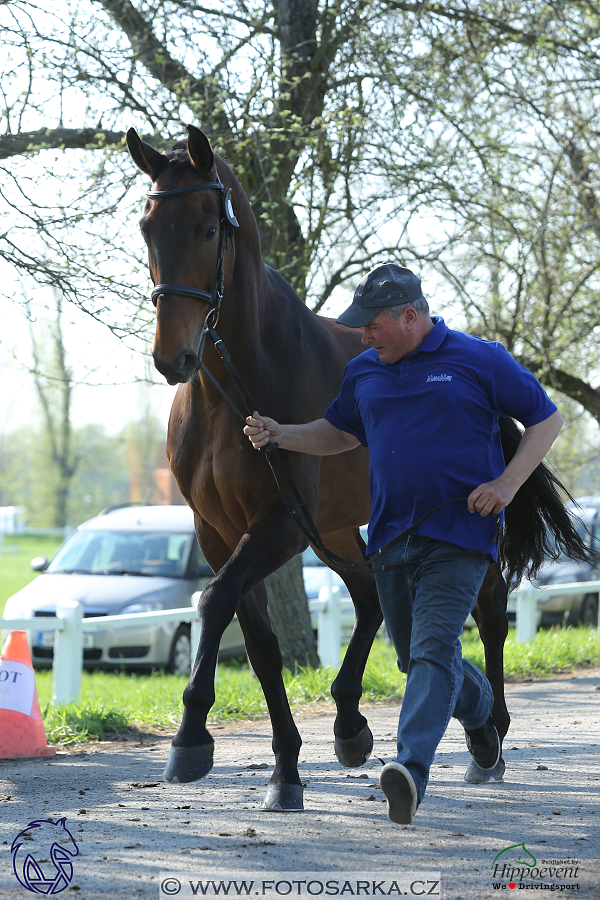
(130, 827)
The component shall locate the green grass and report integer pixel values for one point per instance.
(116, 703)
(554, 650)
(15, 558)
(120, 702)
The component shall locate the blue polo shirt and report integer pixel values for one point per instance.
(430, 422)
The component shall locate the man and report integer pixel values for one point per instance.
(426, 401)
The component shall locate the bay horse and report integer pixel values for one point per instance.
(205, 260)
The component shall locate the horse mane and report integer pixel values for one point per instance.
(537, 525)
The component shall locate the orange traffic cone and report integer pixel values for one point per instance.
(21, 726)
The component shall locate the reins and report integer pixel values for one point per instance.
(306, 524)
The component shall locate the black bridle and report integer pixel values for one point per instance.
(308, 528)
(227, 223)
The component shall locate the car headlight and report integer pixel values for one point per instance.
(141, 608)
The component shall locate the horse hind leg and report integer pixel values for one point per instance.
(284, 790)
(490, 616)
(353, 738)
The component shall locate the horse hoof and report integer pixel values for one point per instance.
(188, 763)
(283, 798)
(355, 751)
(475, 775)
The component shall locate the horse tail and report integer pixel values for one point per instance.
(537, 525)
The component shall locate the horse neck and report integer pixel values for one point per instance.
(251, 305)
(257, 321)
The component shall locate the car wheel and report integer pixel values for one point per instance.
(589, 611)
(179, 661)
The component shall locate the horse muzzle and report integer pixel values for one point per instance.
(178, 370)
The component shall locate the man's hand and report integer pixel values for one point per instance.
(261, 430)
(318, 438)
(491, 497)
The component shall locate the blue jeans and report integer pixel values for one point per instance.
(425, 606)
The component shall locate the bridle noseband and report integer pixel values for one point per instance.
(227, 223)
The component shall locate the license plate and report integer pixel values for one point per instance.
(47, 638)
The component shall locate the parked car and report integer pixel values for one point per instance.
(579, 608)
(125, 560)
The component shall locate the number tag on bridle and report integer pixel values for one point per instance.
(229, 213)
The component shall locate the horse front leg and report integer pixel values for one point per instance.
(490, 616)
(267, 544)
(191, 754)
(284, 790)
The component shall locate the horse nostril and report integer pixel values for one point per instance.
(187, 364)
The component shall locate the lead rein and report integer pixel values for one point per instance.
(308, 527)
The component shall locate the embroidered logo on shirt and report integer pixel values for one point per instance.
(439, 378)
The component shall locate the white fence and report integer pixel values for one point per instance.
(68, 626)
(332, 612)
(527, 603)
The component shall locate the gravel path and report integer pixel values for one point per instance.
(130, 827)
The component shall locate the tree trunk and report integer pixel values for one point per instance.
(290, 618)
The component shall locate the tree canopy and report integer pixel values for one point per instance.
(459, 137)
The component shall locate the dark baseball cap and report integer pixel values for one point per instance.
(387, 285)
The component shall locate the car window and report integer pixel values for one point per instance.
(197, 565)
(124, 553)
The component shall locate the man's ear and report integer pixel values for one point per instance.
(200, 151)
(410, 315)
(144, 156)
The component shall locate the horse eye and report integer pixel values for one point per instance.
(210, 234)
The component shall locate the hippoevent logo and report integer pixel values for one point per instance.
(516, 868)
(42, 855)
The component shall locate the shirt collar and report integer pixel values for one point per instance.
(435, 336)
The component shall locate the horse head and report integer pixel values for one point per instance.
(187, 232)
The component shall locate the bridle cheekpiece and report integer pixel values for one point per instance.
(227, 223)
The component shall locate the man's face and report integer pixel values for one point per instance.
(393, 339)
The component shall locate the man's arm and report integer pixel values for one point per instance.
(493, 496)
(319, 438)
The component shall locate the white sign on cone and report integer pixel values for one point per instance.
(17, 684)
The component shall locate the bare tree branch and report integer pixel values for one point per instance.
(492, 26)
(576, 388)
(585, 190)
(148, 50)
(65, 138)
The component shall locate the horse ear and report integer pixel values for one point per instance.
(199, 149)
(144, 156)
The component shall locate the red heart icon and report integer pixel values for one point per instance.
(512, 884)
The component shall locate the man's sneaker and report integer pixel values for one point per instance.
(484, 744)
(398, 785)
